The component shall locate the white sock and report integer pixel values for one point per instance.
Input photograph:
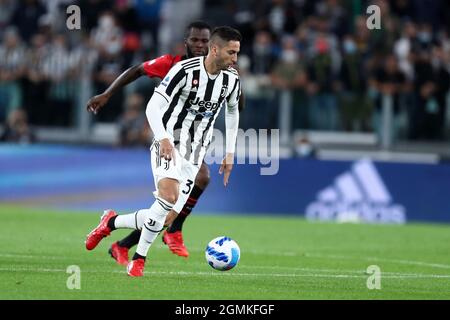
(153, 225)
(133, 220)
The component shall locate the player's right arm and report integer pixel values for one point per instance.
(131, 74)
(154, 68)
(174, 81)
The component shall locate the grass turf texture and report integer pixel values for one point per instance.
(281, 258)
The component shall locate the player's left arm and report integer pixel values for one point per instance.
(241, 98)
(162, 97)
(241, 106)
(231, 127)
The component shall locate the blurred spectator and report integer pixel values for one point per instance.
(389, 83)
(149, 19)
(258, 97)
(12, 57)
(425, 36)
(332, 12)
(40, 62)
(263, 56)
(304, 148)
(362, 36)
(17, 128)
(428, 11)
(35, 83)
(321, 87)
(6, 11)
(404, 46)
(107, 69)
(107, 38)
(58, 71)
(127, 20)
(126, 15)
(356, 109)
(92, 9)
(303, 40)
(383, 39)
(282, 16)
(134, 128)
(404, 9)
(431, 85)
(26, 17)
(290, 75)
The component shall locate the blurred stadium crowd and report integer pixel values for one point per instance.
(337, 72)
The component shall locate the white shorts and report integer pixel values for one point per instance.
(179, 169)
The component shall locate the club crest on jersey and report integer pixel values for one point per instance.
(223, 93)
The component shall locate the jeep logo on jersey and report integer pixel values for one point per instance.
(208, 105)
(358, 195)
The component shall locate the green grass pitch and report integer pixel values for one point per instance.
(282, 258)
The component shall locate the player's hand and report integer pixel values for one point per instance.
(96, 103)
(167, 150)
(226, 167)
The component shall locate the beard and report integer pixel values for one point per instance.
(189, 52)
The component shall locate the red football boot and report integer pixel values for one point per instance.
(101, 231)
(118, 253)
(136, 268)
(175, 242)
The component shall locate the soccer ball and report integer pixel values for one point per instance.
(222, 253)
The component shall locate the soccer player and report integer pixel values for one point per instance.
(181, 115)
(197, 36)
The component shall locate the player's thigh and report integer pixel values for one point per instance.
(166, 173)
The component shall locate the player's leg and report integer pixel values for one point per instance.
(167, 175)
(154, 223)
(119, 249)
(173, 235)
(111, 221)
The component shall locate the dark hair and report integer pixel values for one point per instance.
(226, 34)
(196, 25)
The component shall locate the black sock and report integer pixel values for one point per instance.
(177, 224)
(138, 256)
(131, 240)
(111, 225)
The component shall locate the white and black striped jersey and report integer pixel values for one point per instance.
(194, 100)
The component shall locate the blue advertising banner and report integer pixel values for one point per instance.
(99, 178)
(337, 190)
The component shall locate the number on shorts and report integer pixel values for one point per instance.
(189, 186)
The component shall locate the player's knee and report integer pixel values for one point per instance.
(168, 191)
(203, 177)
(169, 196)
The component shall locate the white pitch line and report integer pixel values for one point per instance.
(55, 258)
(410, 262)
(314, 255)
(240, 274)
